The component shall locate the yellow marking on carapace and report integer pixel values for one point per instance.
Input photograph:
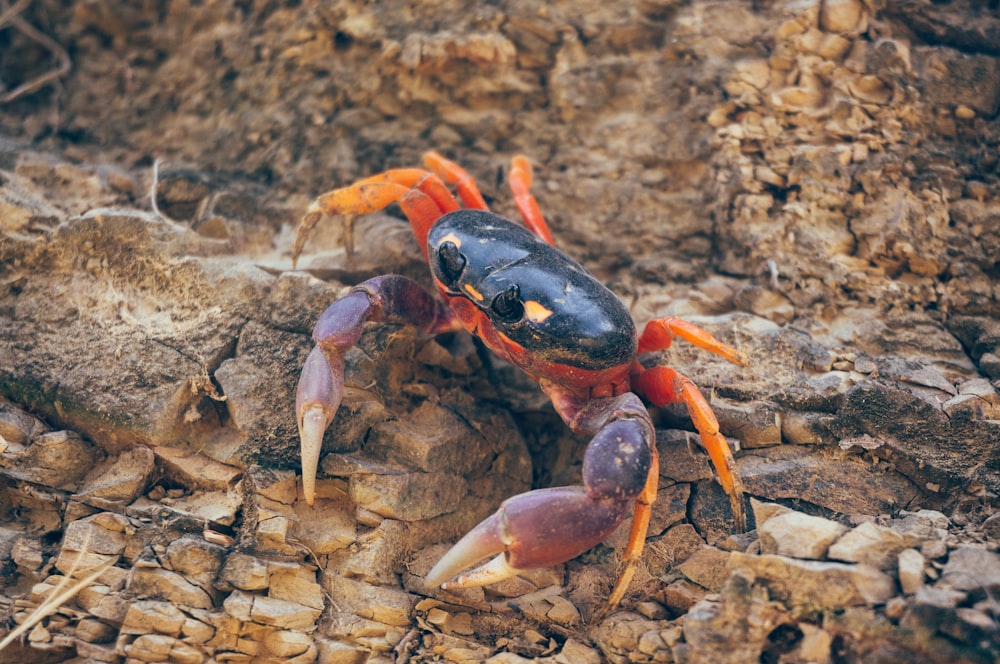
(451, 237)
(536, 311)
(473, 292)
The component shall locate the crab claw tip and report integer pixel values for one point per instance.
(311, 427)
(484, 540)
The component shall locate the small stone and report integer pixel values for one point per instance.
(196, 559)
(963, 112)
(193, 470)
(762, 511)
(972, 569)
(296, 583)
(92, 630)
(16, 426)
(117, 481)
(546, 605)
(681, 595)
(146, 616)
(285, 644)
(841, 15)
(328, 527)
(58, 459)
(911, 570)
(93, 541)
(245, 572)
(813, 584)
(158, 582)
(268, 611)
(895, 608)
(39, 634)
(709, 568)
(816, 643)
(409, 496)
(798, 535)
(870, 544)
(575, 652)
(651, 610)
(755, 424)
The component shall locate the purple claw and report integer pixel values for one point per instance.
(531, 530)
(321, 387)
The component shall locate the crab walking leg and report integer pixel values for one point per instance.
(388, 299)
(549, 526)
(421, 195)
(520, 185)
(663, 385)
(659, 333)
(457, 177)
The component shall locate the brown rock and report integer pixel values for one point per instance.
(158, 582)
(708, 568)
(815, 584)
(59, 459)
(798, 535)
(870, 544)
(245, 572)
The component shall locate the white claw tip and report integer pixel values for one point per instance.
(313, 424)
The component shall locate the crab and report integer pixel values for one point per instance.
(539, 310)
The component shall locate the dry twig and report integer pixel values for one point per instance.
(11, 15)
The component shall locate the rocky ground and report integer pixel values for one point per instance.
(815, 182)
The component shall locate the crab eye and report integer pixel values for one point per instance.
(452, 261)
(508, 306)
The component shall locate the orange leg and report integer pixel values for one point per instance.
(457, 177)
(421, 195)
(663, 385)
(520, 185)
(659, 333)
(637, 535)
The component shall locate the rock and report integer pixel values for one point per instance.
(158, 582)
(118, 480)
(95, 631)
(269, 611)
(911, 570)
(93, 541)
(623, 635)
(338, 652)
(575, 652)
(681, 595)
(801, 473)
(58, 459)
(870, 544)
(798, 535)
(145, 616)
(381, 604)
(160, 648)
(972, 569)
(197, 560)
(329, 526)
(547, 605)
(754, 424)
(409, 496)
(196, 471)
(816, 585)
(17, 427)
(245, 572)
(285, 644)
(708, 568)
(295, 583)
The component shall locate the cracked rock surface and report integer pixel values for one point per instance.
(814, 182)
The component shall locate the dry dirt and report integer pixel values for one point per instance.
(815, 182)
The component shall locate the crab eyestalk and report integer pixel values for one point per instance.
(320, 390)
